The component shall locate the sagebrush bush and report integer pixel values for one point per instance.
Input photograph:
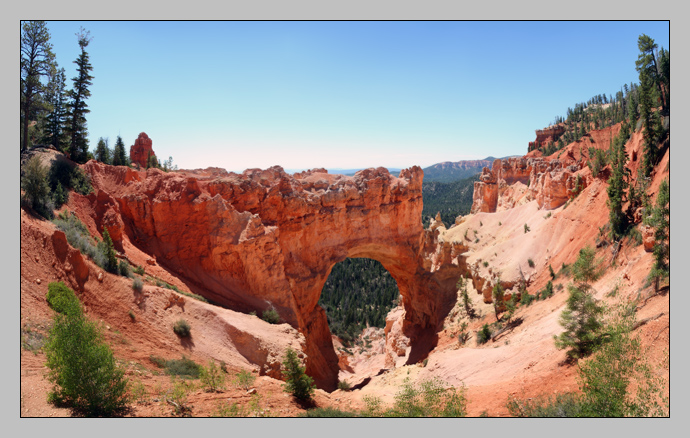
(182, 328)
(137, 285)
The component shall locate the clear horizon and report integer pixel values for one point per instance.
(343, 94)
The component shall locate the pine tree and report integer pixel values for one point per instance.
(297, 382)
(77, 107)
(618, 184)
(107, 248)
(646, 62)
(497, 295)
(36, 61)
(582, 317)
(119, 154)
(102, 153)
(660, 220)
(55, 120)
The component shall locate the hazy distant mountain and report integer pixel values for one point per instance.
(454, 171)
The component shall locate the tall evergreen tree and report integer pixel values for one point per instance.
(648, 122)
(660, 220)
(119, 154)
(55, 120)
(618, 184)
(77, 107)
(37, 60)
(102, 152)
(646, 62)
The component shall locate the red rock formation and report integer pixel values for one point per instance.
(142, 149)
(265, 238)
(550, 183)
(546, 136)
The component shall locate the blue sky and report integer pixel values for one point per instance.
(241, 95)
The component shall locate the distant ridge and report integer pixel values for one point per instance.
(448, 171)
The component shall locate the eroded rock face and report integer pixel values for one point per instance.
(545, 136)
(142, 149)
(266, 238)
(550, 182)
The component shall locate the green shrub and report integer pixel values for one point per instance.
(82, 368)
(551, 273)
(62, 299)
(179, 367)
(138, 392)
(485, 263)
(606, 379)
(429, 398)
(232, 410)
(182, 328)
(562, 405)
(271, 316)
(78, 236)
(527, 229)
(178, 397)
(530, 263)
(297, 382)
(526, 299)
(123, 269)
(244, 379)
(484, 334)
(69, 176)
(326, 413)
(132, 316)
(60, 196)
(344, 385)
(108, 250)
(34, 182)
(139, 270)
(212, 378)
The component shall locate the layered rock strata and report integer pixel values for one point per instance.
(266, 238)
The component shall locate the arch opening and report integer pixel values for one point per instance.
(359, 293)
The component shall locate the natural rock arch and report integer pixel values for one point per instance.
(266, 238)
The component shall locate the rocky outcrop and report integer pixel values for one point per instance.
(546, 136)
(141, 150)
(548, 182)
(265, 238)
